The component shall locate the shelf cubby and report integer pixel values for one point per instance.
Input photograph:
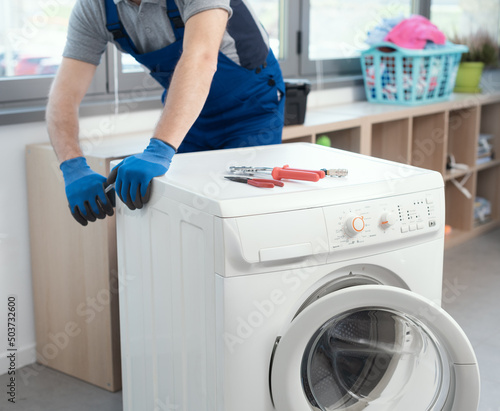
(390, 140)
(459, 208)
(463, 128)
(428, 141)
(347, 139)
(488, 183)
(490, 124)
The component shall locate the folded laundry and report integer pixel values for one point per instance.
(415, 32)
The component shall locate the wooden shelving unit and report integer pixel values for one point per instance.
(424, 136)
(74, 270)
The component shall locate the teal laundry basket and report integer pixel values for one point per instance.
(395, 75)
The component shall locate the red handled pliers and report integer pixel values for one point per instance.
(257, 182)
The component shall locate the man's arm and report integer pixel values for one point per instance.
(193, 75)
(186, 96)
(68, 89)
(84, 188)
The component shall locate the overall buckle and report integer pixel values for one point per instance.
(176, 19)
(117, 34)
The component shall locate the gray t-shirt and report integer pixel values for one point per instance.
(245, 40)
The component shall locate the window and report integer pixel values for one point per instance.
(281, 20)
(32, 37)
(327, 34)
(458, 17)
(335, 31)
(337, 28)
(268, 12)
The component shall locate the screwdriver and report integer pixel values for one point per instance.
(280, 172)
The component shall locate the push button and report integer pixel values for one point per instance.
(413, 227)
(404, 228)
(420, 225)
(432, 223)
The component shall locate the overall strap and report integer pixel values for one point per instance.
(115, 27)
(175, 19)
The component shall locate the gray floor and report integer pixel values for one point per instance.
(475, 267)
(50, 390)
(472, 290)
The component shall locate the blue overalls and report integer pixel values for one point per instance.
(244, 107)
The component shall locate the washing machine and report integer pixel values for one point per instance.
(312, 296)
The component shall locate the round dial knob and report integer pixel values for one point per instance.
(387, 219)
(354, 225)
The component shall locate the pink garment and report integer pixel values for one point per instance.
(414, 32)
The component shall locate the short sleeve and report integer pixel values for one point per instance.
(189, 8)
(87, 35)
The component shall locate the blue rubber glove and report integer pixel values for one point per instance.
(85, 191)
(133, 176)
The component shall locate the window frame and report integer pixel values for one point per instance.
(290, 33)
(127, 82)
(29, 88)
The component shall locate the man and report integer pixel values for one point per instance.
(223, 88)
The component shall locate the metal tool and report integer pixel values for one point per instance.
(280, 172)
(109, 188)
(257, 182)
(336, 172)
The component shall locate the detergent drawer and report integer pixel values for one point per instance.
(255, 244)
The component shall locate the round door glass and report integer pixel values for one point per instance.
(374, 359)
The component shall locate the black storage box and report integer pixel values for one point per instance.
(296, 100)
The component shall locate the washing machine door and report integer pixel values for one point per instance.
(374, 348)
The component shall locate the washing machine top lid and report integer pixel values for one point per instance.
(197, 179)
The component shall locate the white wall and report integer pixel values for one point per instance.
(15, 276)
(15, 270)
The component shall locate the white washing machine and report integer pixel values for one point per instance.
(312, 296)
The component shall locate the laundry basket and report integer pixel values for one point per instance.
(395, 75)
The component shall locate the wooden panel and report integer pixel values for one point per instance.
(347, 139)
(458, 237)
(74, 273)
(428, 141)
(391, 140)
(459, 208)
(302, 139)
(463, 132)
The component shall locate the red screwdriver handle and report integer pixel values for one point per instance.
(320, 173)
(293, 174)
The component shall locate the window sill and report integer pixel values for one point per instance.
(105, 105)
(92, 106)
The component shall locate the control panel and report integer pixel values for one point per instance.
(383, 220)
